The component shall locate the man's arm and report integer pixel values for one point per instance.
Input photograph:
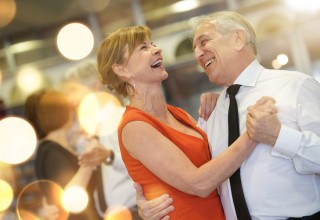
(301, 144)
(155, 209)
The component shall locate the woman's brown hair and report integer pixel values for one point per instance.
(112, 51)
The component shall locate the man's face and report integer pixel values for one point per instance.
(214, 52)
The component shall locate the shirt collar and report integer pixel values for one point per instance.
(250, 75)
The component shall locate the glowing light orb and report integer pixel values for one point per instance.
(46, 193)
(99, 113)
(118, 213)
(75, 199)
(29, 79)
(282, 59)
(75, 41)
(18, 140)
(6, 197)
(7, 11)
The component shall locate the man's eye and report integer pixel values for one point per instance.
(204, 42)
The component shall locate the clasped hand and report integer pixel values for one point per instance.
(262, 123)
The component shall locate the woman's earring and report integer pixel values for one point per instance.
(133, 84)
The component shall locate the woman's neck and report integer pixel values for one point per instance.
(152, 103)
(60, 136)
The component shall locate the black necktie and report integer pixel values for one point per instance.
(235, 180)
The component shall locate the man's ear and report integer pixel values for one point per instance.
(240, 38)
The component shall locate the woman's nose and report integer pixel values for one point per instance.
(156, 50)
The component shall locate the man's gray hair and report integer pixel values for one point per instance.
(226, 22)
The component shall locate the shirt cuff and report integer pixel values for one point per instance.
(288, 142)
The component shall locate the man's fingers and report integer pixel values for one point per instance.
(207, 104)
(264, 100)
(163, 209)
(155, 209)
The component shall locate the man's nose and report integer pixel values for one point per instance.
(198, 53)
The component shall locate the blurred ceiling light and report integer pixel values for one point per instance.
(6, 193)
(7, 11)
(184, 5)
(306, 5)
(26, 46)
(93, 6)
(275, 64)
(29, 79)
(282, 59)
(17, 140)
(75, 41)
(75, 199)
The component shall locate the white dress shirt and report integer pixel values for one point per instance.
(281, 181)
(117, 184)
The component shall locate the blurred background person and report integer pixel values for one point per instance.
(83, 80)
(56, 160)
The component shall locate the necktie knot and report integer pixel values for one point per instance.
(233, 90)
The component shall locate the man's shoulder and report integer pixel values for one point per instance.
(292, 74)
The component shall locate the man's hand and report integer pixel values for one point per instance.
(262, 123)
(156, 209)
(207, 104)
(94, 155)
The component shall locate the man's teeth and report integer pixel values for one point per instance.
(157, 63)
(208, 63)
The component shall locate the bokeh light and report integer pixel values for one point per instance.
(6, 195)
(99, 113)
(282, 59)
(275, 64)
(29, 79)
(118, 213)
(7, 11)
(32, 208)
(304, 6)
(75, 199)
(184, 5)
(75, 41)
(17, 140)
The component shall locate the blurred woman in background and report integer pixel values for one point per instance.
(56, 160)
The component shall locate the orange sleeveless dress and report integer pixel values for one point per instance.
(186, 206)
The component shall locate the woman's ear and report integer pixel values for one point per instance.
(240, 40)
(120, 70)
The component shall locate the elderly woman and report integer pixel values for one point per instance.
(161, 145)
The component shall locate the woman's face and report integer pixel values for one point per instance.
(145, 64)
